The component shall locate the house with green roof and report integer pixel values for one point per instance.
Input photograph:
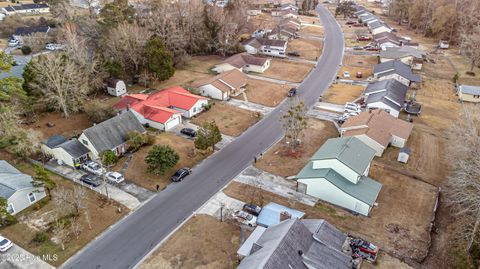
(338, 173)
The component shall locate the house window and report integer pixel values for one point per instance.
(194, 109)
(10, 209)
(31, 197)
(85, 142)
(476, 96)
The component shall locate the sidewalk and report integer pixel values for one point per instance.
(251, 106)
(322, 114)
(18, 258)
(275, 184)
(278, 81)
(329, 107)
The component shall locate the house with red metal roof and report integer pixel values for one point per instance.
(163, 110)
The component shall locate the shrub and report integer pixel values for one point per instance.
(109, 157)
(470, 73)
(98, 111)
(136, 140)
(26, 50)
(41, 237)
(455, 78)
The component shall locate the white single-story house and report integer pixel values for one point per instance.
(110, 135)
(69, 152)
(22, 32)
(277, 13)
(26, 9)
(254, 12)
(338, 174)
(378, 27)
(398, 70)
(116, 87)
(222, 86)
(378, 129)
(387, 94)
(163, 110)
(17, 188)
(469, 93)
(243, 62)
(270, 47)
(408, 55)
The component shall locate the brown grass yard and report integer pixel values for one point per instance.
(309, 19)
(202, 242)
(341, 93)
(289, 71)
(68, 127)
(309, 49)
(102, 214)
(231, 120)
(276, 162)
(441, 69)
(137, 169)
(312, 31)
(354, 64)
(264, 93)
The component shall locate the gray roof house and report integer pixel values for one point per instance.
(469, 93)
(398, 70)
(387, 94)
(408, 55)
(111, 134)
(299, 244)
(25, 31)
(338, 174)
(16, 187)
(69, 152)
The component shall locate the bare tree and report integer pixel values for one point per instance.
(470, 46)
(294, 121)
(463, 189)
(36, 41)
(75, 226)
(70, 201)
(60, 231)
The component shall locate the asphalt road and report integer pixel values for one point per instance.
(128, 241)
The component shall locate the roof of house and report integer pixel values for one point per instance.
(72, 147)
(112, 82)
(470, 89)
(258, 42)
(227, 81)
(23, 31)
(54, 141)
(349, 150)
(113, 132)
(366, 189)
(400, 52)
(25, 7)
(160, 106)
(293, 243)
(378, 24)
(378, 125)
(241, 59)
(390, 91)
(397, 67)
(270, 214)
(12, 180)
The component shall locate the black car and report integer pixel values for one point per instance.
(292, 92)
(293, 53)
(181, 174)
(252, 209)
(189, 132)
(91, 180)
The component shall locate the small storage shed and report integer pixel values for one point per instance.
(404, 155)
(116, 87)
(273, 214)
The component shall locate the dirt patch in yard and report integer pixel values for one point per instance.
(355, 63)
(275, 161)
(102, 214)
(264, 93)
(311, 31)
(202, 242)
(309, 49)
(289, 71)
(68, 127)
(231, 120)
(341, 93)
(137, 168)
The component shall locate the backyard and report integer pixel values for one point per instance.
(341, 93)
(264, 93)
(286, 70)
(309, 49)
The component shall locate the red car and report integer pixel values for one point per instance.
(364, 38)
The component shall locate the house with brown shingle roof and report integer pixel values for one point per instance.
(243, 62)
(222, 86)
(378, 129)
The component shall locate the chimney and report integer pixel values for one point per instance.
(284, 215)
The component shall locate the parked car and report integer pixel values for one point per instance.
(371, 48)
(114, 177)
(358, 24)
(350, 22)
(181, 174)
(293, 53)
(92, 180)
(252, 209)
(357, 48)
(292, 92)
(346, 74)
(359, 75)
(12, 42)
(93, 167)
(245, 218)
(53, 46)
(364, 38)
(188, 132)
(5, 244)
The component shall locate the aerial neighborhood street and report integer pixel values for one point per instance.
(239, 134)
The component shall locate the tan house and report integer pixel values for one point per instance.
(243, 62)
(378, 129)
(469, 93)
(222, 86)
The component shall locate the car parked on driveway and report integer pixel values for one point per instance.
(188, 132)
(181, 174)
(359, 75)
(114, 177)
(252, 209)
(12, 42)
(293, 53)
(91, 180)
(245, 218)
(346, 74)
(5, 244)
(93, 167)
(357, 48)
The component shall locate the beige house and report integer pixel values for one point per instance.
(222, 86)
(243, 62)
(469, 93)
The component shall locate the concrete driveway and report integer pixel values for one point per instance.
(18, 258)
